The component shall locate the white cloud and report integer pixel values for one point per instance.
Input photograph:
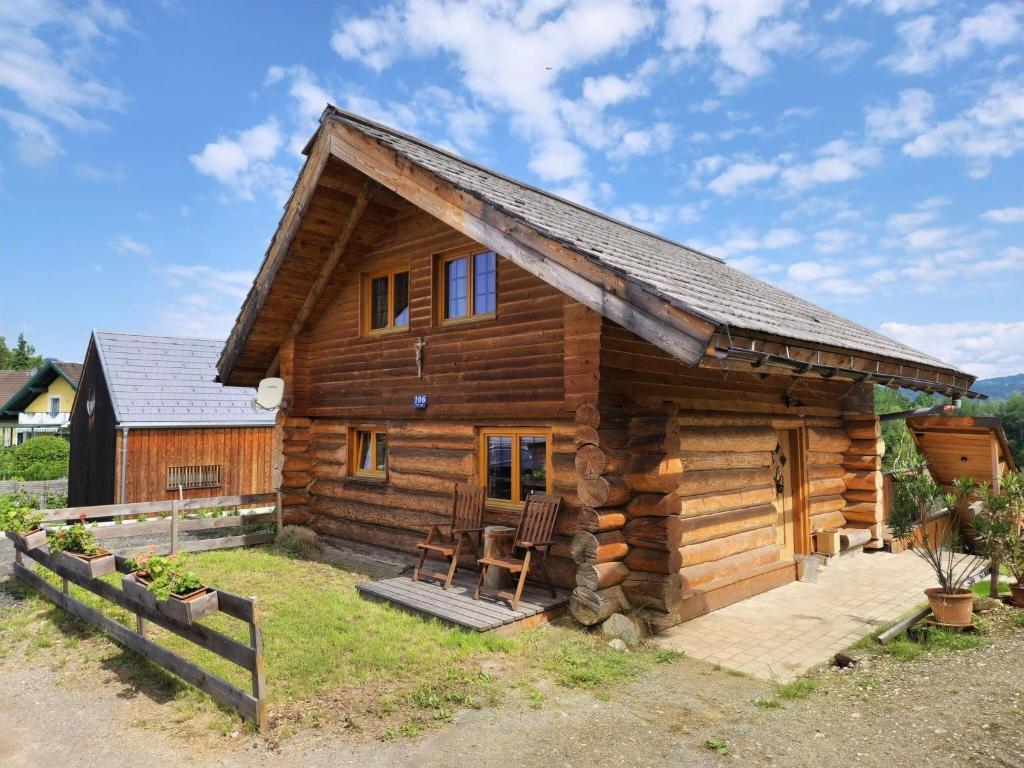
(743, 35)
(706, 107)
(232, 284)
(654, 218)
(841, 52)
(910, 116)
(906, 222)
(781, 237)
(737, 245)
(740, 175)
(643, 141)
(34, 142)
(510, 55)
(129, 246)
(992, 128)
(927, 44)
(1004, 215)
(982, 348)
(836, 240)
(46, 53)
(244, 164)
(837, 161)
(606, 90)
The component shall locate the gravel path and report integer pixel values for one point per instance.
(962, 708)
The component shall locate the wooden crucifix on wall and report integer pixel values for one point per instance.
(419, 344)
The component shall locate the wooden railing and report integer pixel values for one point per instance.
(250, 705)
(173, 519)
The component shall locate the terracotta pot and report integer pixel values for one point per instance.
(952, 609)
(1017, 595)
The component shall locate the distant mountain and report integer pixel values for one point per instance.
(1001, 386)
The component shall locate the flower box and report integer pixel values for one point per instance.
(191, 607)
(26, 541)
(88, 566)
(137, 588)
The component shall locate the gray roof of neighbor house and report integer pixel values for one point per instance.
(33, 383)
(686, 278)
(11, 382)
(169, 381)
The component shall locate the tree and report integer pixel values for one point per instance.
(22, 358)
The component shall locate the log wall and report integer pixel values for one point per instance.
(676, 478)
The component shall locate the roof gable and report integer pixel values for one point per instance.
(674, 296)
(170, 381)
(36, 382)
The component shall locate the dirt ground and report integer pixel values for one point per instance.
(962, 708)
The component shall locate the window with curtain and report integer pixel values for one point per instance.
(386, 301)
(369, 453)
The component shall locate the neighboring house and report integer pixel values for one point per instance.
(43, 401)
(436, 322)
(10, 383)
(151, 423)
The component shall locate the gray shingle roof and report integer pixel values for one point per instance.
(686, 278)
(170, 381)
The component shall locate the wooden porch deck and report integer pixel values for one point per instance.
(457, 606)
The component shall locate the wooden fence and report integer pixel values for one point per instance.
(250, 705)
(173, 518)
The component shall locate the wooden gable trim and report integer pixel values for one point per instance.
(682, 335)
(302, 193)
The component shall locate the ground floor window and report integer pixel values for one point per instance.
(515, 462)
(369, 453)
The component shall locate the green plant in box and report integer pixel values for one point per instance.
(76, 539)
(162, 576)
(17, 517)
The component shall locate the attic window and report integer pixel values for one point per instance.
(468, 286)
(386, 301)
(90, 404)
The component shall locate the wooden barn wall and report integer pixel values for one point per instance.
(676, 480)
(243, 453)
(93, 445)
(517, 369)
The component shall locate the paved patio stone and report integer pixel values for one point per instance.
(782, 633)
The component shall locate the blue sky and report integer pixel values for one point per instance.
(866, 154)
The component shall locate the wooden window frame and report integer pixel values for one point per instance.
(516, 433)
(353, 454)
(441, 287)
(367, 300)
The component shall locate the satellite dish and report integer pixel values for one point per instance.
(270, 393)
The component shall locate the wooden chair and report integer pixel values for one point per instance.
(533, 535)
(467, 515)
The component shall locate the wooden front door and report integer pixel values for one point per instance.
(783, 475)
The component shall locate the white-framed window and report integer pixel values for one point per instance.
(54, 405)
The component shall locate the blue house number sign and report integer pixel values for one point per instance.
(419, 402)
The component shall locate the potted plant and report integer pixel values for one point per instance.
(76, 550)
(918, 516)
(21, 524)
(160, 583)
(1014, 561)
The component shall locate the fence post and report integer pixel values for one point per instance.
(280, 516)
(140, 625)
(174, 526)
(259, 683)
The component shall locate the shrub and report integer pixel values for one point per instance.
(40, 458)
(17, 516)
(298, 540)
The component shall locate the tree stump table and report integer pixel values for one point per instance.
(499, 541)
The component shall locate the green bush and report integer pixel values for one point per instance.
(39, 458)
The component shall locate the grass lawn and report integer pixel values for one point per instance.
(332, 658)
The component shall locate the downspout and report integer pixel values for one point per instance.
(124, 461)
(935, 410)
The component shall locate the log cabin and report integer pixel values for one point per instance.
(437, 322)
(149, 422)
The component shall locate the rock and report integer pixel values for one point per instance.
(619, 627)
(618, 645)
(985, 604)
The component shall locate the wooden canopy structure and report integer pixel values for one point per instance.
(963, 445)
